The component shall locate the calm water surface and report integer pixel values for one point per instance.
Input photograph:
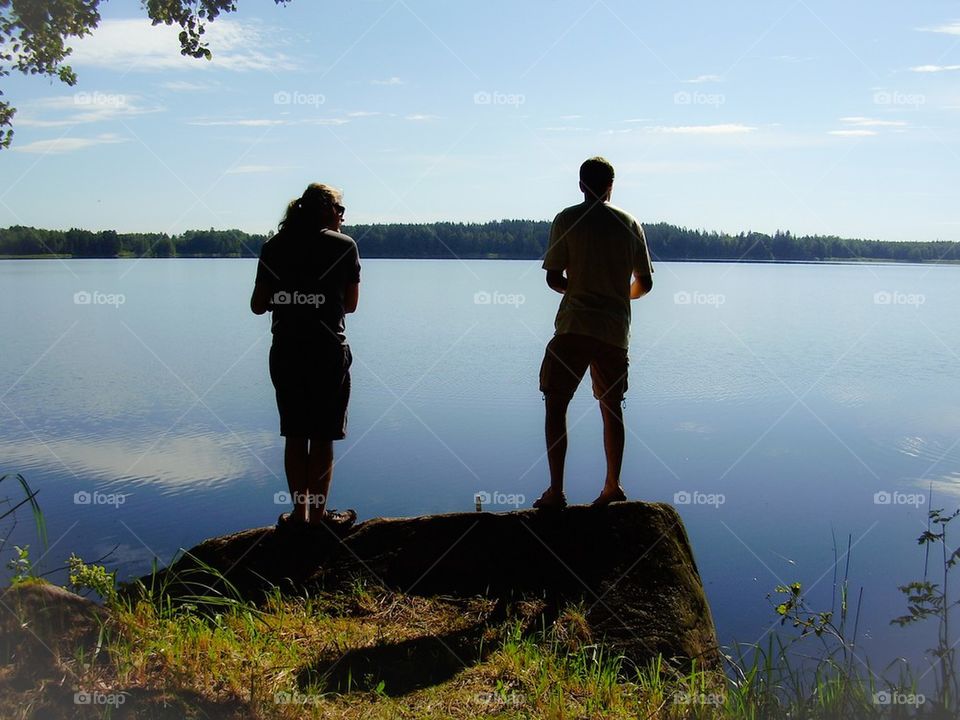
(778, 399)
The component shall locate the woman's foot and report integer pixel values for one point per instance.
(609, 496)
(551, 500)
(289, 521)
(339, 520)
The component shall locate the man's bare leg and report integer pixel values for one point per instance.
(319, 476)
(295, 467)
(556, 435)
(613, 442)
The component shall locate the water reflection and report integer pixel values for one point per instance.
(176, 463)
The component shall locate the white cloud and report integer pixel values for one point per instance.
(570, 117)
(60, 146)
(934, 68)
(419, 117)
(136, 45)
(663, 167)
(265, 122)
(362, 113)
(952, 28)
(636, 120)
(870, 122)
(247, 169)
(704, 79)
(83, 107)
(852, 133)
(238, 123)
(389, 81)
(723, 129)
(564, 128)
(186, 86)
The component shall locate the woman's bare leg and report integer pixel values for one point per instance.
(319, 476)
(295, 467)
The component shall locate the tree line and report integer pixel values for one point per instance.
(509, 239)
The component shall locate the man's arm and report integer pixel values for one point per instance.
(260, 300)
(640, 285)
(351, 296)
(557, 281)
(641, 282)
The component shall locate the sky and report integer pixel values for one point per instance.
(808, 116)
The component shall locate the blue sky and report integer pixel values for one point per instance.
(818, 117)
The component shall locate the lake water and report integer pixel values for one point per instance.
(779, 400)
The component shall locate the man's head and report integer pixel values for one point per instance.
(596, 178)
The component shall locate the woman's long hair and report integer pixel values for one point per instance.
(308, 210)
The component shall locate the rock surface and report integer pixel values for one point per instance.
(42, 625)
(630, 564)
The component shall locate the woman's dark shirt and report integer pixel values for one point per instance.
(307, 274)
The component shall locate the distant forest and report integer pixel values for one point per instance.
(508, 239)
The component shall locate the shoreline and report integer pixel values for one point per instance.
(729, 261)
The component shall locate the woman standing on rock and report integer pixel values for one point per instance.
(309, 278)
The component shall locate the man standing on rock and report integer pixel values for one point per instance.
(597, 258)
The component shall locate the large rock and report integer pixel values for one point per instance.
(42, 626)
(630, 564)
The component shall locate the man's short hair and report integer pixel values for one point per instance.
(596, 174)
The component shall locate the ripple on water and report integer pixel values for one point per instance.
(929, 449)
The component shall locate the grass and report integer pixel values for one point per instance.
(366, 652)
(329, 656)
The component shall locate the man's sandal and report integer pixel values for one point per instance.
(605, 499)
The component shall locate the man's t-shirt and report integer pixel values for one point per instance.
(600, 246)
(307, 275)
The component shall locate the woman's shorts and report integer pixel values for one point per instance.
(312, 381)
